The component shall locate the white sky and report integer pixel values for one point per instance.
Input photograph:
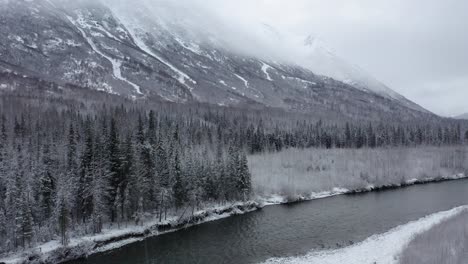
(419, 48)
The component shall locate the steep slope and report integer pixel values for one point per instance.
(145, 53)
(322, 60)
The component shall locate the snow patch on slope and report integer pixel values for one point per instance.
(382, 249)
(136, 36)
(195, 48)
(265, 68)
(116, 64)
(246, 83)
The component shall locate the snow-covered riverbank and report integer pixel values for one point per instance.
(446, 242)
(286, 198)
(383, 249)
(111, 238)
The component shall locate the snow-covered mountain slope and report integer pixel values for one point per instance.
(321, 60)
(160, 52)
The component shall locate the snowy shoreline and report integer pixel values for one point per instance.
(284, 199)
(53, 252)
(446, 242)
(382, 248)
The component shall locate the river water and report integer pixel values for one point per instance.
(291, 230)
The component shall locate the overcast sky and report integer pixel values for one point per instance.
(419, 48)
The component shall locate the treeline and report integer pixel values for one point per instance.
(72, 169)
(256, 139)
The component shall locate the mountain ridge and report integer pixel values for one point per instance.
(137, 56)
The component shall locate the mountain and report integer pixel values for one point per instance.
(462, 117)
(166, 54)
(322, 60)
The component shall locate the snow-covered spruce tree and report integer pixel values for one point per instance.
(146, 174)
(129, 182)
(180, 190)
(217, 184)
(3, 226)
(99, 186)
(151, 135)
(189, 175)
(3, 182)
(71, 179)
(139, 213)
(14, 197)
(47, 184)
(87, 166)
(244, 181)
(117, 207)
(140, 133)
(115, 169)
(127, 210)
(24, 220)
(62, 212)
(233, 174)
(163, 173)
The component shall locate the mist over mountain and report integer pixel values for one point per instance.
(184, 52)
(462, 116)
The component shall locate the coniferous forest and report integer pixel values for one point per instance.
(71, 168)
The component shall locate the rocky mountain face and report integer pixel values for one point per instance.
(141, 55)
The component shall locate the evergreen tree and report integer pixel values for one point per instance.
(140, 134)
(115, 167)
(180, 192)
(232, 173)
(244, 182)
(117, 207)
(47, 184)
(85, 198)
(98, 187)
(62, 213)
(152, 128)
(128, 178)
(24, 220)
(127, 208)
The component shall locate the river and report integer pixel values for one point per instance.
(291, 230)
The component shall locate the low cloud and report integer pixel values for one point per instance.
(412, 46)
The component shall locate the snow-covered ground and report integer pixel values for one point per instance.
(382, 249)
(276, 199)
(444, 243)
(300, 172)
